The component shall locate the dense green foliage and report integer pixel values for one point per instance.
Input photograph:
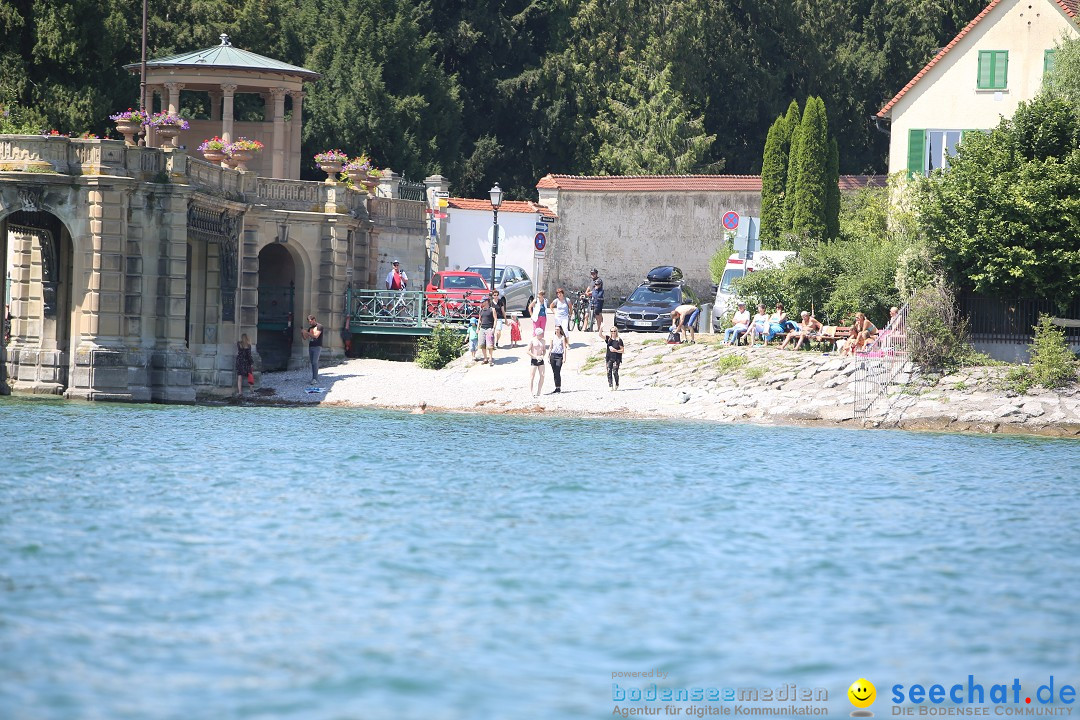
(1005, 218)
(442, 346)
(773, 182)
(505, 91)
(937, 335)
(1053, 363)
(811, 172)
(837, 278)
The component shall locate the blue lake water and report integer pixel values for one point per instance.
(195, 562)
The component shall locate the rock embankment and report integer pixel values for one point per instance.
(704, 381)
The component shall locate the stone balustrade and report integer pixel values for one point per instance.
(388, 212)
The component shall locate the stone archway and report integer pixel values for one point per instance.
(38, 260)
(277, 305)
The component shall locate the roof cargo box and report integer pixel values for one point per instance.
(665, 274)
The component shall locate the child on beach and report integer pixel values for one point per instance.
(515, 331)
(474, 338)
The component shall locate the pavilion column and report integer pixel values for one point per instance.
(296, 125)
(151, 136)
(227, 112)
(174, 105)
(278, 158)
(215, 105)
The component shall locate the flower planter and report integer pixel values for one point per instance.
(241, 158)
(214, 156)
(332, 170)
(167, 132)
(130, 131)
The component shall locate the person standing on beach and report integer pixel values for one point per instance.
(595, 292)
(560, 346)
(538, 311)
(614, 357)
(500, 314)
(537, 351)
(314, 336)
(245, 364)
(487, 332)
(560, 308)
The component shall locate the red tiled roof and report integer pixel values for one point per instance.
(856, 182)
(518, 206)
(651, 183)
(1070, 7)
(677, 183)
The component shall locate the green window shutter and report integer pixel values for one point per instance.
(993, 70)
(1048, 61)
(916, 152)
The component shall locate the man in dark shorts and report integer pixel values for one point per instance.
(487, 332)
(595, 291)
(314, 336)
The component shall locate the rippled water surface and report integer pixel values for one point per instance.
(192, 562)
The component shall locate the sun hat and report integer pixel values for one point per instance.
(538, 332)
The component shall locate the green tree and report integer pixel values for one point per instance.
(832, 190)
(645, 127)
(794, 166)
(773, 182)
(808, 215)
(1004, 219)
(1063, 80)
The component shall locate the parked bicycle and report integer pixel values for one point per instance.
(580, 315)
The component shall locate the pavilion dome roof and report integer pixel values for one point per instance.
(226, 57)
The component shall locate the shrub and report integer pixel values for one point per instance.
(1052, 361)
(443, 345)
(936, 333)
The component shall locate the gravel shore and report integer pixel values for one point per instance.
(704, 381)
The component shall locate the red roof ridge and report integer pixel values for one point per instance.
(1069, 6)
(518, 206)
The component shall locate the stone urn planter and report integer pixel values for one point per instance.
(241, 158)
(167, 133)
(130, 131)
(214, 156)
(332, 169)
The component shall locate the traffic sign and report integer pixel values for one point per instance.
(731, 219)
(434, 232)
(540, 241)
(443, 202)
(442, 193)
(541, 227)
(547, 218)
(439, 215)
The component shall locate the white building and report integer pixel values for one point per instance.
(998, 60)
(468, 235)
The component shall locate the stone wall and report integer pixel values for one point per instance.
(625, 234)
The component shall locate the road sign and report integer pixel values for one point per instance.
(540, 241)
(441, 193)
(731, 219)
(491, 232)
(547, 218)
(541, 227)
(443, 202)
(439, 215)
(434, 232)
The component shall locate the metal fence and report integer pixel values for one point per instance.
(882, 366)
(409, 190)
(386, 309)
(994, 319)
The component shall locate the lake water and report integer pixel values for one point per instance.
(237, 562)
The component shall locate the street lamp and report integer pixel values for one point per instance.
(496, 201)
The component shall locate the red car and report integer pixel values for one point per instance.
(455, 294)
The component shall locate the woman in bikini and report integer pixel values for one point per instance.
(537, 351)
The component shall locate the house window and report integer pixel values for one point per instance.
(1048, 61)
(993, 69)
(931, 149)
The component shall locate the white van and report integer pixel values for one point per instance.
(736, 267)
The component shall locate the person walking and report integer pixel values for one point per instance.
(595, 291)
(560, 308)
(487, 332)
(538, 311)
(537, 350)
(614, 358)
(245, 364)
(314, 336)
(560, 346)
(500, 314)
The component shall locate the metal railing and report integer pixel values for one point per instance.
(881, 365)
(409, 190)
(994, 319)
(399, 309)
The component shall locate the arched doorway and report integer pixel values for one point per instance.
(38, 259)
(277, 292)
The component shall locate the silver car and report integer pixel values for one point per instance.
(512, 282)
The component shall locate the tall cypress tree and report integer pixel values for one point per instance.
(832, 189)
(794, 167)
(811, 184)
(773, 183)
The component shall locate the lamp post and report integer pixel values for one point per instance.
(496, 201)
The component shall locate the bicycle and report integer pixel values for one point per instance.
(580, 313)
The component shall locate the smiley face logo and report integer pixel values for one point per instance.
(862, 693)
